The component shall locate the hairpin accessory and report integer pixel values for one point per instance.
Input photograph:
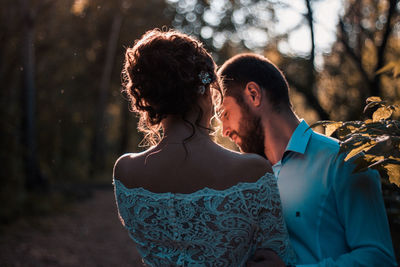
(205, 77)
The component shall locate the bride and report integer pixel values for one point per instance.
(187, 201)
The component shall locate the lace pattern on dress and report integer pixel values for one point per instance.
(208, 227)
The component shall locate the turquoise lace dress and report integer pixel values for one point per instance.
(205, 228)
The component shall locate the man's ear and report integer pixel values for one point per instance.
(253, 94)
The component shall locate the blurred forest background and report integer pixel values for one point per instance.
(63, 118)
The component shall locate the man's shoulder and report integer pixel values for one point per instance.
(324, 142)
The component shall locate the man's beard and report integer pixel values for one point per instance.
(251, 133)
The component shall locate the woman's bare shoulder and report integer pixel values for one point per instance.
(252, 165)
(124, 164)
(128, 167)
(256, 163)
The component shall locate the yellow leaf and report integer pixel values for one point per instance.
(359, 149)
(373, 99)
(393, 66)
(396, 72)
(332, 127)
(374, 158)
(393, 171)
(382, 113)
(345, 130)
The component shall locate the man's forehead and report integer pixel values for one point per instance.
(228, 102)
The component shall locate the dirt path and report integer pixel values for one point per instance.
(89, 235)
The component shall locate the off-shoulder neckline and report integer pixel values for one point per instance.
(202, 191)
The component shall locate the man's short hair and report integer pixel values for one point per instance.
(244, 68)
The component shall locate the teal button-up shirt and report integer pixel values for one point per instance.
(334, 217)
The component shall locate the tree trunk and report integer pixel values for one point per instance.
(97, 152)
(34, 179)
(375, 86)
(310, 22)
(310, 89)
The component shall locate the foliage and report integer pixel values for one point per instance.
(375, 140)
(70, 46)
(218, 22)
(70, 43)
(367, 38)
(393, 66)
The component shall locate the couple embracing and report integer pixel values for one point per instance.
(186, 201)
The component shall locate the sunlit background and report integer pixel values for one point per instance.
(64, 121)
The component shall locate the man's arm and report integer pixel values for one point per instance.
(362, 213)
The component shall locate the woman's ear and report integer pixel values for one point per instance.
(207, 95)
(253, 94)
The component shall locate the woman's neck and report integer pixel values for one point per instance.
(176, 129)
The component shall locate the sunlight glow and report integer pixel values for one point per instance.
(211, 18)
(325, 20)
(300, 40)
(206, 32)
(79, 7)
(254, 37)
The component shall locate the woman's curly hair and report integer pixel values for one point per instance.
(161, 77)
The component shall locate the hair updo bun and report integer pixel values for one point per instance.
(163, 72)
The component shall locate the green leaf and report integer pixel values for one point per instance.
(382, 113)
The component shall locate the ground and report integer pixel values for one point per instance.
(88, 234)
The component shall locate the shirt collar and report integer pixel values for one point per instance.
(300, 137)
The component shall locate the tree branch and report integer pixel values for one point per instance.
(376, 90)
(353, 55)
(309, 17)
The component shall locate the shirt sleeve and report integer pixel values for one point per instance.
(362, 213)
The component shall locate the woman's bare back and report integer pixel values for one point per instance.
(171, 168)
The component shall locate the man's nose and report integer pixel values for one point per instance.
(225, 131)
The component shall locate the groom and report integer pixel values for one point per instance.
(334, 217)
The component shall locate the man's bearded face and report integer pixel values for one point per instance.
(242, 126)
